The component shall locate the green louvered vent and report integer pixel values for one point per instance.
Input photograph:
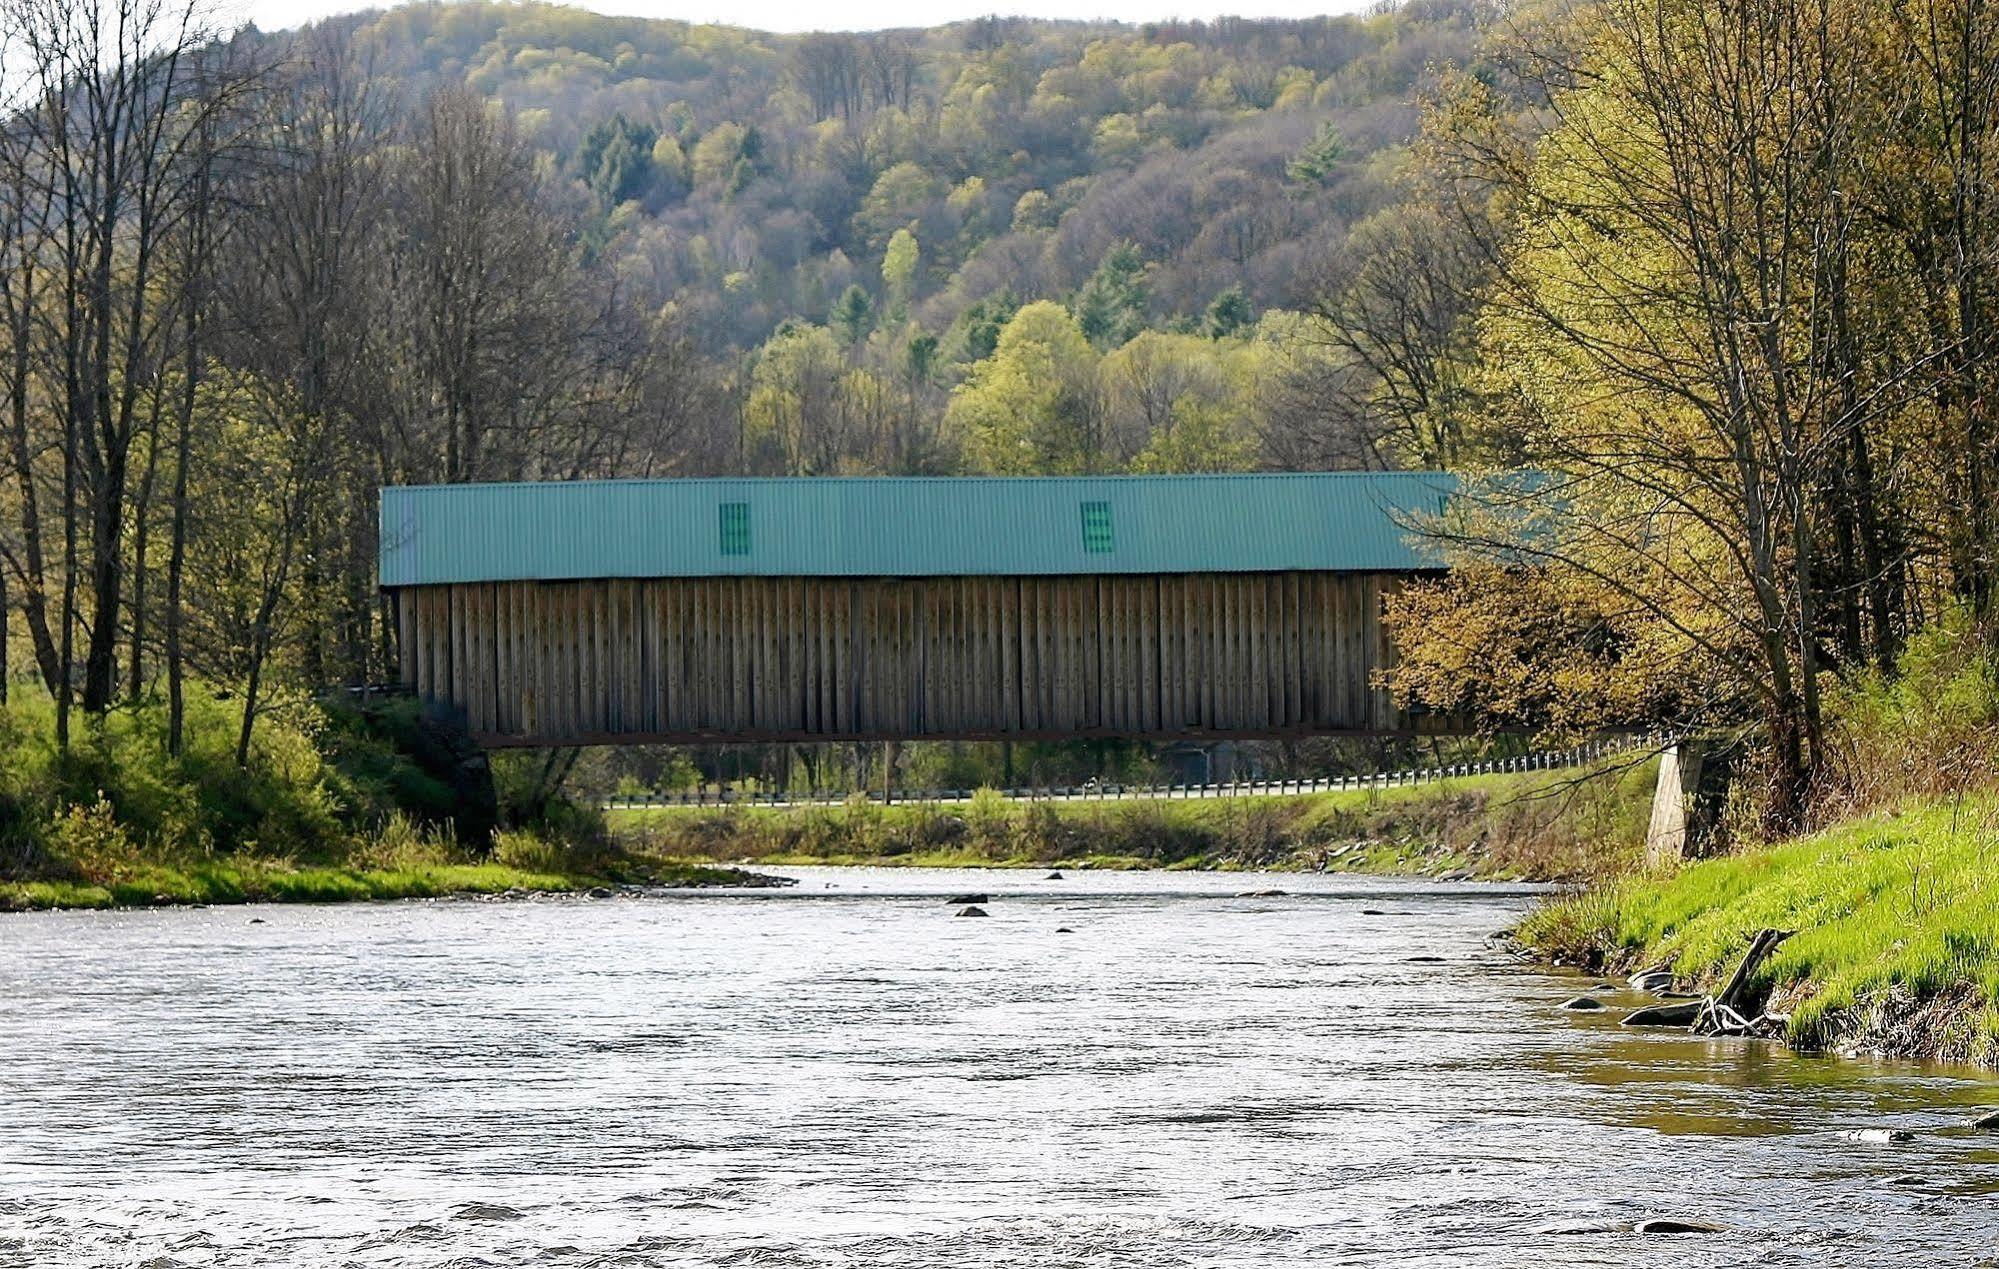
(1097, 536)
(735, 528)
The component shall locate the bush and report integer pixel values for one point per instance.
(1930, 730)
(330, 785)
(989, 819)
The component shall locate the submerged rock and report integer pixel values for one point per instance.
(1053, 876)
(968, 898)
(485, 1212)
(1423, 960)
(1987, 1122)
(1063, 929)
(1260, 894)
(1582, 1004)
(973, 910)
(1681, 1015)
(1372, 912)
(1673, 1225)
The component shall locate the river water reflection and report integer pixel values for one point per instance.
(847, 1074)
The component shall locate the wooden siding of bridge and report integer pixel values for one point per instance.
(759, 659)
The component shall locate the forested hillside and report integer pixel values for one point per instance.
(754, 178)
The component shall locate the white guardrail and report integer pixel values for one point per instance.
(1577, 756)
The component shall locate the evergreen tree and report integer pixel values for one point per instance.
(1317, 162)
(853, 314)
(1229, 313)
(1111, 307)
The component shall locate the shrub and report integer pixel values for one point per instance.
(528, 852)
(989, 819)
(1930, 730)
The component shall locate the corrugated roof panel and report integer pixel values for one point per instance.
(904, 527)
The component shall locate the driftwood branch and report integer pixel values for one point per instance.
(1721, 1014)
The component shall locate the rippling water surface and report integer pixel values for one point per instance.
(847, 1074)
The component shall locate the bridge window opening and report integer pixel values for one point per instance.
(735, 528)
(1098, 538)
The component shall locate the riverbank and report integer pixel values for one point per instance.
(1536, 826)
(436, 871)
(1896, 915)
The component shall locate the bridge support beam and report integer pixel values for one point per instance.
(1675, 800)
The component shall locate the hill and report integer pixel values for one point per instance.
(754, 178)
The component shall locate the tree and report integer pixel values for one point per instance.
(899, 195)
(1031, 408)
(114, 97)
(1680, 266)
(1319, 161)
(853, 314)
(1397, 316)
(1111, 307)
(794, 418)
(616, 159)
(1228, 314)
(899, 265)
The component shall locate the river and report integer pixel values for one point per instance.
(846, 1073)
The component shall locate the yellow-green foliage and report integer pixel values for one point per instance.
(1904, 899)
(117, 793)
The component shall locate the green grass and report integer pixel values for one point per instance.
(1530, 826)
(265, 881)
(1897, 920)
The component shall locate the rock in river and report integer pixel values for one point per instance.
(1681, 1015)
(1881, 1136)
(1260, 894)
(1652, 980)
(1673, 1225)
(1582, 1004)
(973, 910)
(957, 900)
(1053, 876)
(1989, 1121)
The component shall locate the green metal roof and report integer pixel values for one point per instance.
(896, 527)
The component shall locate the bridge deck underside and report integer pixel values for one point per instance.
(766, 659)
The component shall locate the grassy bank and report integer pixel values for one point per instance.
(1895, 900)
(106, 869)
(1897, 920)
(1533, 826)
(276, 881)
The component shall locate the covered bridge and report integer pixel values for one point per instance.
(688, 611)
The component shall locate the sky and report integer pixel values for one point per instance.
(851, 15)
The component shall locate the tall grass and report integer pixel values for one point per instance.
(1540, 825)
